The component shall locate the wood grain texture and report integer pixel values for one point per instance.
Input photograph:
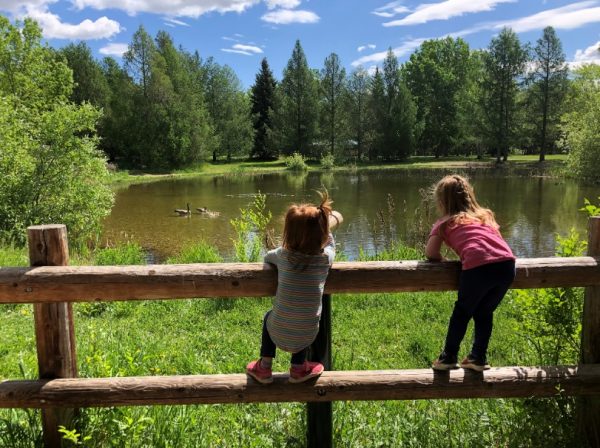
(331, 386)
(106, 283)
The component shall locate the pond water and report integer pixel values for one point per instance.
(378, 206)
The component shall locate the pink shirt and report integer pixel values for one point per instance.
(476, 244)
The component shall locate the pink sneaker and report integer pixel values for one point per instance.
(305, 372)
(259, 373)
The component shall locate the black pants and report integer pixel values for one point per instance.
(480, 291)
(268, 347)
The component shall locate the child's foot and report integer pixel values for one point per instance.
(306, 371)
(445, 362)
(261, 374)
(473, 363)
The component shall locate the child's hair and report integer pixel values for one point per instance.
(456, 198)
(306, 227)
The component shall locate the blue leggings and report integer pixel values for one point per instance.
(480, 291)
(268, 347)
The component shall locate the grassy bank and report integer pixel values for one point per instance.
(205, 336)
(553, 165)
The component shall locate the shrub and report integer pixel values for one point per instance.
(296, 162)
(328, 162)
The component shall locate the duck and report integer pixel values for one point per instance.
(207, 212)
(183, 212)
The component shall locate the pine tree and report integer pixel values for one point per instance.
(297, 118)
(359, 113)
(548, 86)
(333, 90)
(263, 108)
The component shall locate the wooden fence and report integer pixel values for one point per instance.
(51, 285)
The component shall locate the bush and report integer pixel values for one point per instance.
(296, 162)
(328, 162)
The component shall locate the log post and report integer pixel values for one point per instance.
(319, 416)
(589, 412)
(54, 330)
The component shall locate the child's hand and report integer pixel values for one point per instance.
(335, 219)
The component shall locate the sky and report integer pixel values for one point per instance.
(240, 33)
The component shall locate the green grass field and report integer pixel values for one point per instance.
(206, 336)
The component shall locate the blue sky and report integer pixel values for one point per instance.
(240, 32)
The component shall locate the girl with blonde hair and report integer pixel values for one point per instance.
(488, 269)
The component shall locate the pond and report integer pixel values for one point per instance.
(378, 206)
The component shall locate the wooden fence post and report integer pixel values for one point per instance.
(589, 410)
(54, 330)
(319, 427)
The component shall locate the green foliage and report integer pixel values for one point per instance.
(251, 229)
(590, 209)
(128, 253)
(333, 114)
(13, 256)
(51, 170)
(437, 76)
(201, 252)
(296, 124)
(504, 64)
(296, 162)
(263, 109)
(72, 436)
(360, 115)
(328, 162)
(582, 124)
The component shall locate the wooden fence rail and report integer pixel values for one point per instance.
(52, 286)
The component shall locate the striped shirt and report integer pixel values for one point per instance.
(294, 322)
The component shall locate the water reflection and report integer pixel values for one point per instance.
(530, 210)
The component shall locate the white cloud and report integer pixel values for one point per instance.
(591, 55)
(114, 49)
(53, 28)
(566, 17)
(247, 48)
(172, 22)
(365, 47)
(231, 50)
(403, 49)
(285, 4)
(427, 12)
(178, 8)
(287, 16)
(390, 9)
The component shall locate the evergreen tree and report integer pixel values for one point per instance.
(297, 118)
(333, 90)
(548, 80)
(379, 114)
(359, 113)
(263, 109)
(504, 64)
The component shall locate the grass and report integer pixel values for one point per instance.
(250, 167)
(206, 336)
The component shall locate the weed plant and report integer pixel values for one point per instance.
(296, 162)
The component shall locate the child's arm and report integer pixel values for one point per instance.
(335, 219)
(432, 250)
(272, 256)
(329, 249)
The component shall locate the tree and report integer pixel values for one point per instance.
(333, 88)
(504, 64)
(229, 109)
(89, 81)
(359, 113)
(581, 124)
(297, 118)
(50, 168)
(436, 75)
(548, 80)
(379, 114)
(263, 108)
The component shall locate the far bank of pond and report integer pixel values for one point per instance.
(378, 206)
